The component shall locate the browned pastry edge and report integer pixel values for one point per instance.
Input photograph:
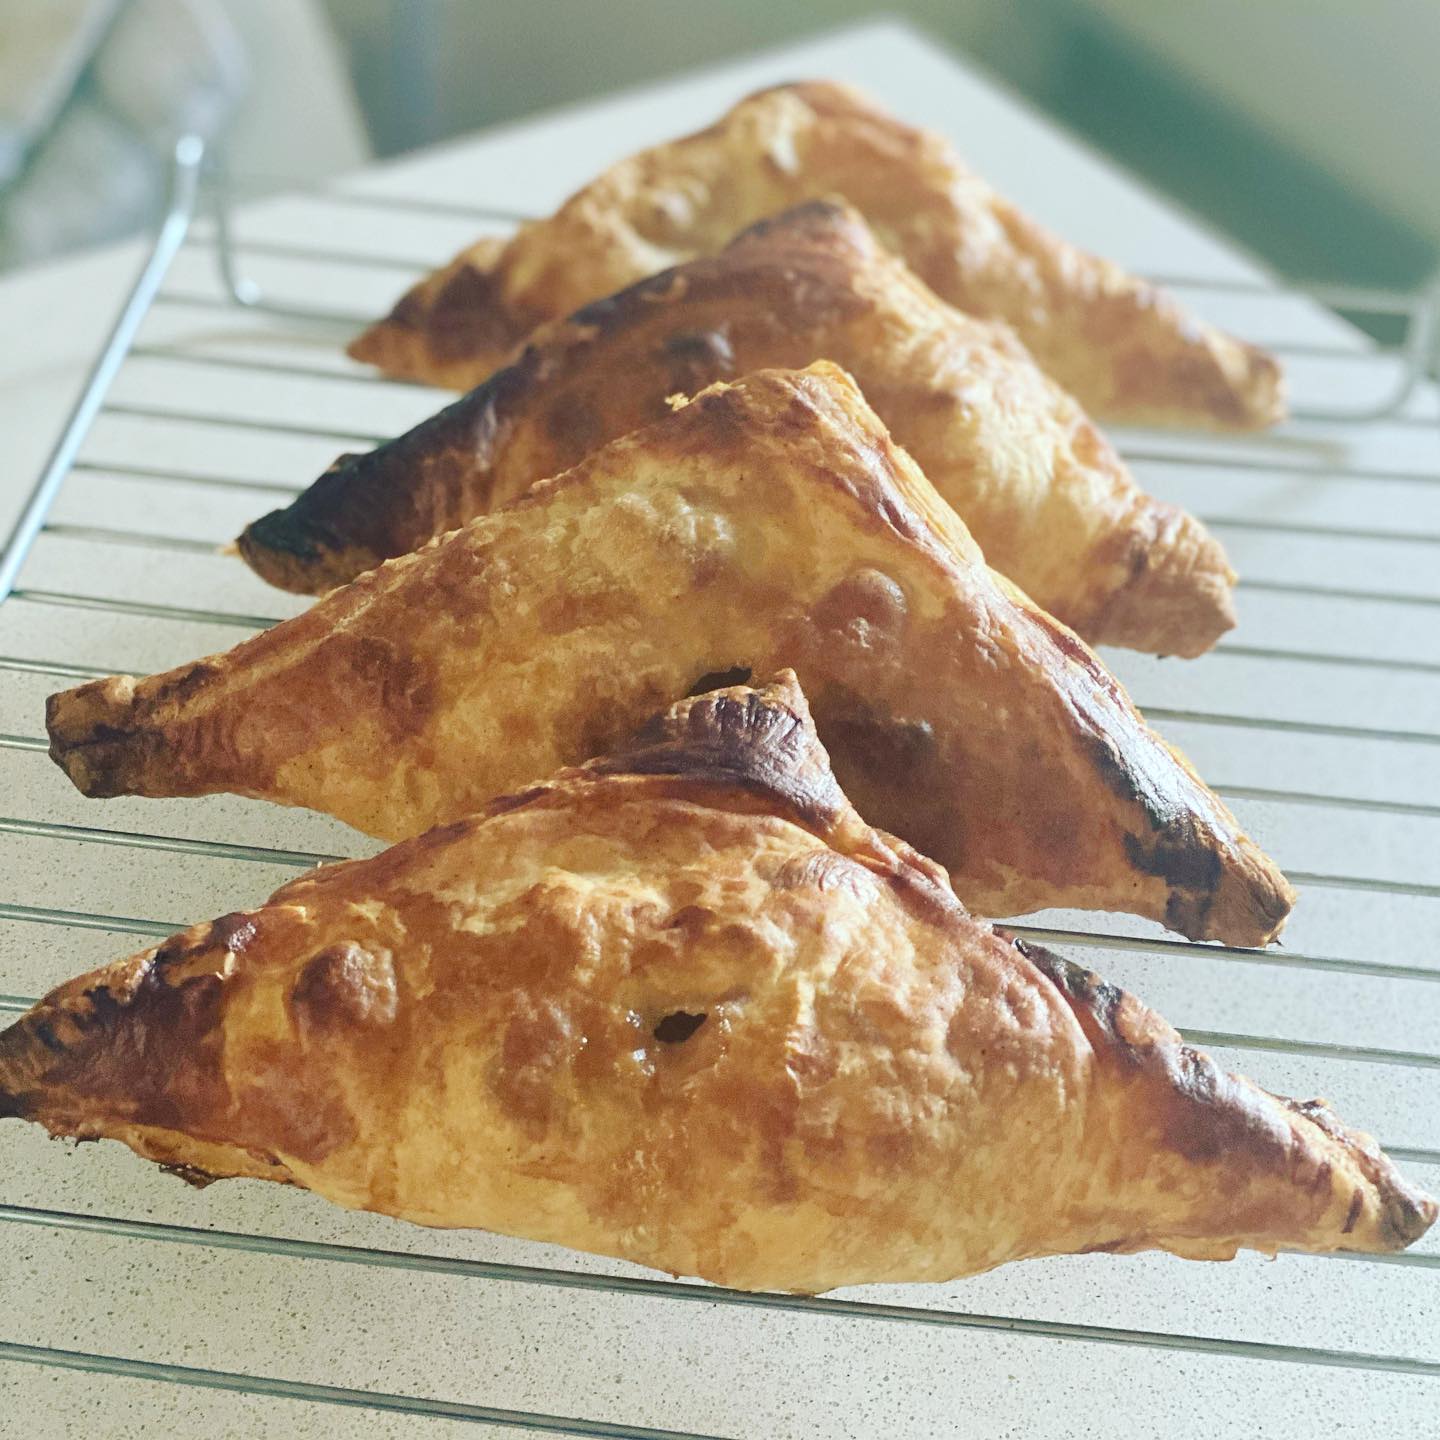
(1173, 850)
(1042, 491)
(1125, 347)
(1218, 1112)
(438, 326)
(134, 1050)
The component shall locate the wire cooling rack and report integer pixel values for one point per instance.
(1319, 722)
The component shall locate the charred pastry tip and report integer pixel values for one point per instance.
(279, 531)
(1405, 1211)
(1235, 895)
(16, 1067)
(41, 1039)
(88, 727)
(290, 553)
(1251, 901)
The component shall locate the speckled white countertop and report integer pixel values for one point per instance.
(1319, 719)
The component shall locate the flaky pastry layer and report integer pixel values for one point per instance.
(1041, 490)
(768, 523)
(683, 1006)
(1124, 348)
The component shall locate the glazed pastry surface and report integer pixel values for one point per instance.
(1124, 348)
(1043, 493)
(767, 523)
(683, 1006)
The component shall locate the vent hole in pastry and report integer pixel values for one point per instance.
(678, 1026)
(721, 680)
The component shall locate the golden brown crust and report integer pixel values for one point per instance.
(1044, 494)
(1201, 1114)
(1125, 349)
(768, 523)
(441, 323)
(683, 1006)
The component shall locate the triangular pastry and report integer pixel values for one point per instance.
(1124, 348)
(684, 1007)
(767, 523)
(1044, 495)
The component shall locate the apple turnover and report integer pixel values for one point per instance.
(1043, 493)
(767, 523)
(683, 1006)
(1124, 348)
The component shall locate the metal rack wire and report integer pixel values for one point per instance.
(1365, 726)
